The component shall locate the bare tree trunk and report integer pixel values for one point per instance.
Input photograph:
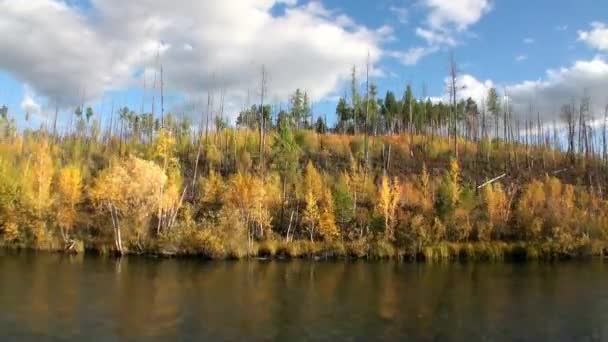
(162, 99)
(453, 75)
(366, 111)
(262, 117)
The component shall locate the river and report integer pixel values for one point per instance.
(59, 297)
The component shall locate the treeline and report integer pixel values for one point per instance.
(403, 179)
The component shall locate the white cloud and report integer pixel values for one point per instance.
(521, 58)
(585, 78)
(402, 13)
(460, 14)
(597, 37)
(468, 86)
(29, 104)
(435, 37)
(413, 55)
(529, 40)
(446, 20)
(66, 54)
(564, 85)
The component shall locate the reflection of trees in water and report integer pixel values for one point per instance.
(55, 295)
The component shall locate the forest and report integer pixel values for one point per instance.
(396, 177)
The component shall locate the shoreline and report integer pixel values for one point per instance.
(443, 252)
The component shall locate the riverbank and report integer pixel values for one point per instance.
(354, 250)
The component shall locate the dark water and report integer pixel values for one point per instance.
(55, 297)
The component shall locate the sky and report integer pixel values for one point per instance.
(106, 53)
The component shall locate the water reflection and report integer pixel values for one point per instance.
(47, 295)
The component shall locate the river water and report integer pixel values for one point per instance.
(58, 297)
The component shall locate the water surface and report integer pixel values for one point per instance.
(57, 297)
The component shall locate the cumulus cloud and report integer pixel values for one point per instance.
(446, 20)
(562, 86)
(66, 54)
(597, 37)
(585, 78)
(29, 105)
(460, 14)
(467, 86)
(521, 58)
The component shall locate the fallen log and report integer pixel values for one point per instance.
(491, 181)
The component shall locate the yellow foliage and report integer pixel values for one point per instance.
(132, 186)
(11, 232)
(68, 194)
(40, 176)
(251, 196)
(164, 148)
(311, 213)
(530, 209)
(388, 200)
(313, 181)
(496, 204)
(212, 188)
(213, 155)
(172, 190)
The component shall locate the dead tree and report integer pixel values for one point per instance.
(262, 116)
(453, 75)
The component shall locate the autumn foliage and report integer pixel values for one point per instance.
(167, 192)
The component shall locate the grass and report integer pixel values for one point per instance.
(212, 247)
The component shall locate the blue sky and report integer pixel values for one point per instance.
(64, 52)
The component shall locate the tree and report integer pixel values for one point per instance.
(285, 160)
(211, 190)
(472, 113)
(89, 114)
(4, 112)
(388, 200)
(313, 190)
(298, 112)
(327, 220)
(343, 201)
(68, 193)
(493, 107)
(355, 97)
(390, 110)
(164, 149)
(407, 104)
(129, 190)
(320, 126)
(448, 193)
(40, 178)
(311, 213)
(529, 211)
(252, 198)
(496, 208)
(344, 113)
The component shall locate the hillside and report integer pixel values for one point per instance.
(172, 191)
